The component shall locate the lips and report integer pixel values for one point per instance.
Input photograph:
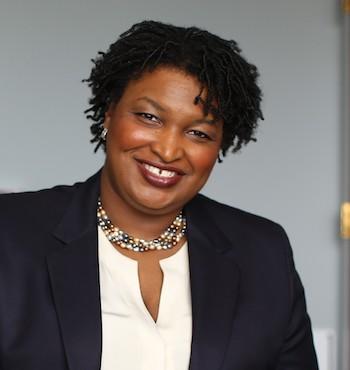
(159, 175)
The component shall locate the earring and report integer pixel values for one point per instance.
(103, 134)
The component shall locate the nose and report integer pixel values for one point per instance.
(168, 146)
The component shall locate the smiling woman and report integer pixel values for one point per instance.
(133, 268)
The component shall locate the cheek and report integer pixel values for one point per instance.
(141, 136)
(126, 137)
(204, 161)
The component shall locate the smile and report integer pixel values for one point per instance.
(159, 172)
(159, 177)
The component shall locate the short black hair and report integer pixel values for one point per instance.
(230, 81)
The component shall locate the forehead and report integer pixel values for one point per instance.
(170, 87)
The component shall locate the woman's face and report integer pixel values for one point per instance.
(160, 148)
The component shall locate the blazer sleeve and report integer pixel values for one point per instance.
(298, 352)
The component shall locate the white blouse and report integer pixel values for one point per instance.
(131, 340)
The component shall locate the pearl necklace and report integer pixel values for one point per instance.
(167, 240)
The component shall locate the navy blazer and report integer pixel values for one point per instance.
(248, 303)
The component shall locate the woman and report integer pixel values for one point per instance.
(133, 269)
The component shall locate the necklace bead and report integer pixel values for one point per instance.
(167, 240)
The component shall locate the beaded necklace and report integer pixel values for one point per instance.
(167, 240)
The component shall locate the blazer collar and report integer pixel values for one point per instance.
(80, 215)
(214, 279)
(74, 278)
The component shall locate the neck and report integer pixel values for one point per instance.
(140, 223)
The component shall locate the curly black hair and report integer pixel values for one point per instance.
(230, 81)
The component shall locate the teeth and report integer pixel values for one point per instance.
(157, 171)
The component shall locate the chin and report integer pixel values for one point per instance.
(159, 204)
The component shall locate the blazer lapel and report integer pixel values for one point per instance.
(214, 288)
(74, 278)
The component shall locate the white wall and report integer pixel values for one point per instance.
(291, 175)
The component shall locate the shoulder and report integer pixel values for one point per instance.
(27, 215)
(28, 219)
(252, 238)
(39, 196)
(232, 219)
(42, 204)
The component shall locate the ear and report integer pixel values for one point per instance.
(108, 115)
(108, 118)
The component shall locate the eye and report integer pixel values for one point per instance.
(147, 116)
(200, 134)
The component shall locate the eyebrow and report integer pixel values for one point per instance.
(152, 102)
(156, 105)
(208, 121)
